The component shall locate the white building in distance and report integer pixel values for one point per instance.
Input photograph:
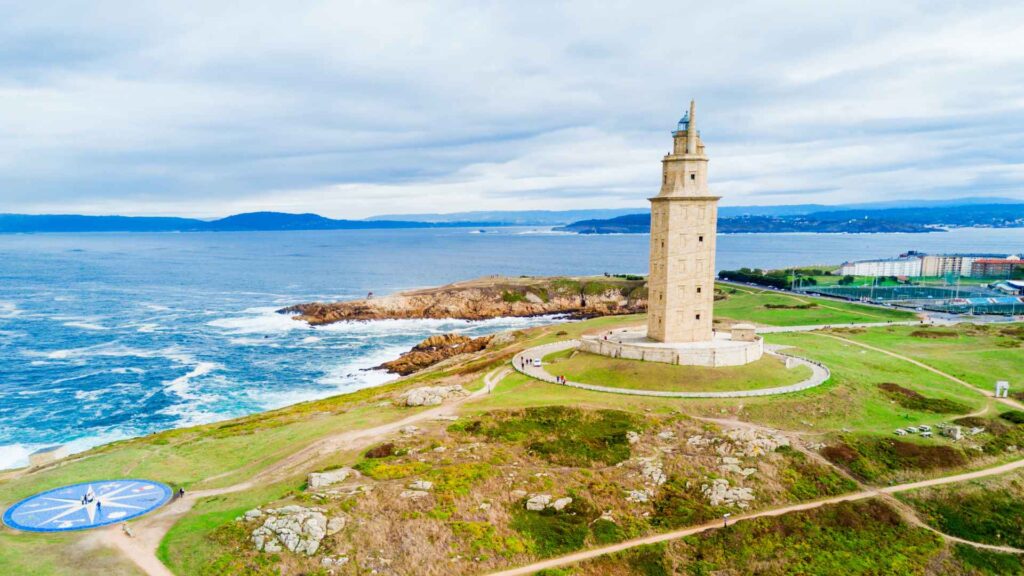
(910, 266)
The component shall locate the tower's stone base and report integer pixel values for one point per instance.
(634, 344)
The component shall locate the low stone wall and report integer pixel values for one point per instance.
(819, 375)
(734, 353)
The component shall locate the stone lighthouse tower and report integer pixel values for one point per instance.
(683, 224)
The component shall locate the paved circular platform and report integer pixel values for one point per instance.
(87, 505)
(819, 375)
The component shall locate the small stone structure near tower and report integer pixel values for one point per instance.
(681, 285)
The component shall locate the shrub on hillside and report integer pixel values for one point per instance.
(381, 450)
(934, 333)
(561, 434)
(871, 458)
(912, 400)
(553, 532)
(1015, 416)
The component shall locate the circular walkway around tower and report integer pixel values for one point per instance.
(819, 374)
(86, 505)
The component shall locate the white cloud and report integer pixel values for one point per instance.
(356, 108)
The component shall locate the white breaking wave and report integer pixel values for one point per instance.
(16, 455)
(182, 385)
(381, 328)
(191, 415)
(8, 309)
(350, 376)
(259, 321)
(85, 326)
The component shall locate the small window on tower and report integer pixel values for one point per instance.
(698, 289)
(698, 316)
(700, 238)
(693, 176)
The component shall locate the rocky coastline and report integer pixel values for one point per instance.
(490, 297)
(434, 349)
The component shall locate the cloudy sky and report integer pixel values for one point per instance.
(351, 109)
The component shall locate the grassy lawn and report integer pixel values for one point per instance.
(59, 554)
(768, 372)
(519, 391)
(197, 544)
(186, 457)
(852, 398)
(978, 354)
(772, 308)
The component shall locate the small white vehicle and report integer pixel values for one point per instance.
(926, 434)
(536, 362)
(912, 429)
(924, 428)
(901, 432)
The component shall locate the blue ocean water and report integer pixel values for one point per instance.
(109, 336)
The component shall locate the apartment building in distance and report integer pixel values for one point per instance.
(995, 267)
(903, 266)
(936, 265)
(954, 264)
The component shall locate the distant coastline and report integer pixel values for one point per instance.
(922, 217)
(921, 220)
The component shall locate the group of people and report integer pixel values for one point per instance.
(89, 497)
(524, 362)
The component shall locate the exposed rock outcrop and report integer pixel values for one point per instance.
(719, 492)
(490, 297)
(429, 396)
(295, 528)
(539, 502)
(322, 479)
(434, 349)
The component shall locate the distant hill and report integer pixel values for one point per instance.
(562, 217)
(253, 221)
(919, 219)
(897, 216)
(514, 217)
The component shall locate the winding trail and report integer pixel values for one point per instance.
(151, 529)
(853, 496)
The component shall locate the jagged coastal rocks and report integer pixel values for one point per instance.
(490, 297)
(435, 349)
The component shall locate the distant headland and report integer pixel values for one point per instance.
(920, 219)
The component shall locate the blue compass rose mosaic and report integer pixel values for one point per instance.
(86, 505)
